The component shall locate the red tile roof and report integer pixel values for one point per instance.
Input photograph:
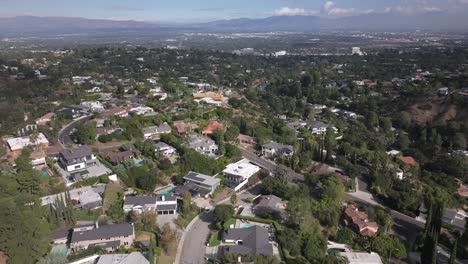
(361, 221)
(212, 126)
(409, 160)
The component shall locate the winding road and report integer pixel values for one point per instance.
(64, 134)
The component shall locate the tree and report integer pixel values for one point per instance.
(148, 219)
(233, 199)
(168, 238)
(453, 255)
(186, 202)
(383, 219)
(87, 133)
(389, 246)
(282, 173)
(223, 212)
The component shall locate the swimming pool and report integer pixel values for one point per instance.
(60, 250)
(168, 191)
(244, 225)
(335, 250)
(44, 173)
(139, 163)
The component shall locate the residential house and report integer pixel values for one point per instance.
(252, 241)
(271, 204)
(272, 149)
(21, 142)
(361, 257)
(212, 126)
(296, 125)
(198, 185)
(77, 158)
(95, 89)
(61, 235)
(115, 111)
(85, 197)
(38, 158)
(161, 203)
(142, 110)
(150, 132)
(203, 145)
(118, 157)
(455, 218)
(108, 237)
(409, 160)
(183, 127)
(238, 173)
(359, 221)
(71, 112)
(318, 128)
(244, 139)
(324, 169)
(166, 150)
(92, 106)
(45, 119)
(132, 258)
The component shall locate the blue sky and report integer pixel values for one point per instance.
(205, 10)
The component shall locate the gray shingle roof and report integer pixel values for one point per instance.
(255, 241)
(140, 200)
(76, 153)
(279, 147)
(103, 232)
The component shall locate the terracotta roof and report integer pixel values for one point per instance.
(37, 155)
(361, 220)
(212, 126)
(409, 160)
(212, 95)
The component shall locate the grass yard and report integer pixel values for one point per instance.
(111, 195)
(215, 239)
(163, 259)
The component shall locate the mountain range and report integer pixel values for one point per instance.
(25, 25)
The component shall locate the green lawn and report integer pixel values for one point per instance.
(229, 222)
(215, 239)
(111, 195)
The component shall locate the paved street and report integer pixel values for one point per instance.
(64, 134)
(194, 247)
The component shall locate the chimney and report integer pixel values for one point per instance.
(97, 224)
(163, 198)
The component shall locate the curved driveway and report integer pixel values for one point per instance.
(64, 134)
(194, 244)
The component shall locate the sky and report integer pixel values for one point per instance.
(208, 10)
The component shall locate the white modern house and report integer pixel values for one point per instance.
(77, 159)
(238, 173)
(161, 203)
(318, 128)
(204, 145)
(165, 149)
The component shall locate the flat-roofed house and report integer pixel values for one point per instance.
(198, 184)
(161, 203)
(21, 142)
(238, 173)
(361, 257)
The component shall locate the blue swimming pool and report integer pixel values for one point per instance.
(244, 225)
(139, 163)
(168, 191)
(60, 250)
(44, 173)
(335, 250)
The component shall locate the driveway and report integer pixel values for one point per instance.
(194, 247)
(64, 134)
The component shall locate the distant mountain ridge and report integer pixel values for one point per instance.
(23, 25)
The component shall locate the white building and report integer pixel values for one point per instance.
(22, 142)
(85, 197)
(77, 159)
(93, 106)
(239, 173)
(161, 203)
(361, 257)
(165, 149)
(142, 110)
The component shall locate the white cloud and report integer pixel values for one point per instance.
(286, 11)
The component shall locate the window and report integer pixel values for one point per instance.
(126, 243)
(77, 166)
